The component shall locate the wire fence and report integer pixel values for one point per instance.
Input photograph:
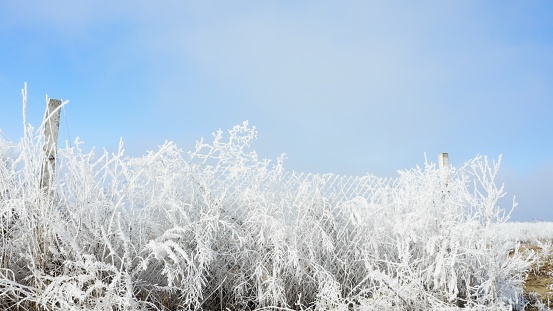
(219, 229)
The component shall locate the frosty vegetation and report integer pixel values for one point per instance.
(218, 228)
(531, 232)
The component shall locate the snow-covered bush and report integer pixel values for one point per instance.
(218, 228)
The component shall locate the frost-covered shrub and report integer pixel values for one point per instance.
(219, 228)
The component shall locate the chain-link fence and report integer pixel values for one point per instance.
(219, 229)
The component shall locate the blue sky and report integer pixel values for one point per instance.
(350, 87)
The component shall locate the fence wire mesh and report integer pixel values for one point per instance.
(219, 229)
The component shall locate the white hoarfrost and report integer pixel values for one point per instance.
(217, 228)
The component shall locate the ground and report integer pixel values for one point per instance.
(538, 286)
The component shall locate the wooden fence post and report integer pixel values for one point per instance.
(443, 163)
(51, 131)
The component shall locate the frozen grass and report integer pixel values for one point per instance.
(526, 231)
(536, 240)
(218, 228)
(538, 286)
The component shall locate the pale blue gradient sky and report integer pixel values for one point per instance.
(345, 87)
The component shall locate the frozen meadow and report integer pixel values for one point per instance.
(217, 228)
(526, 231)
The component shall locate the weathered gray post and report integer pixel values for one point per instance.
(443, 163)
(51, 131)
(48, 171)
